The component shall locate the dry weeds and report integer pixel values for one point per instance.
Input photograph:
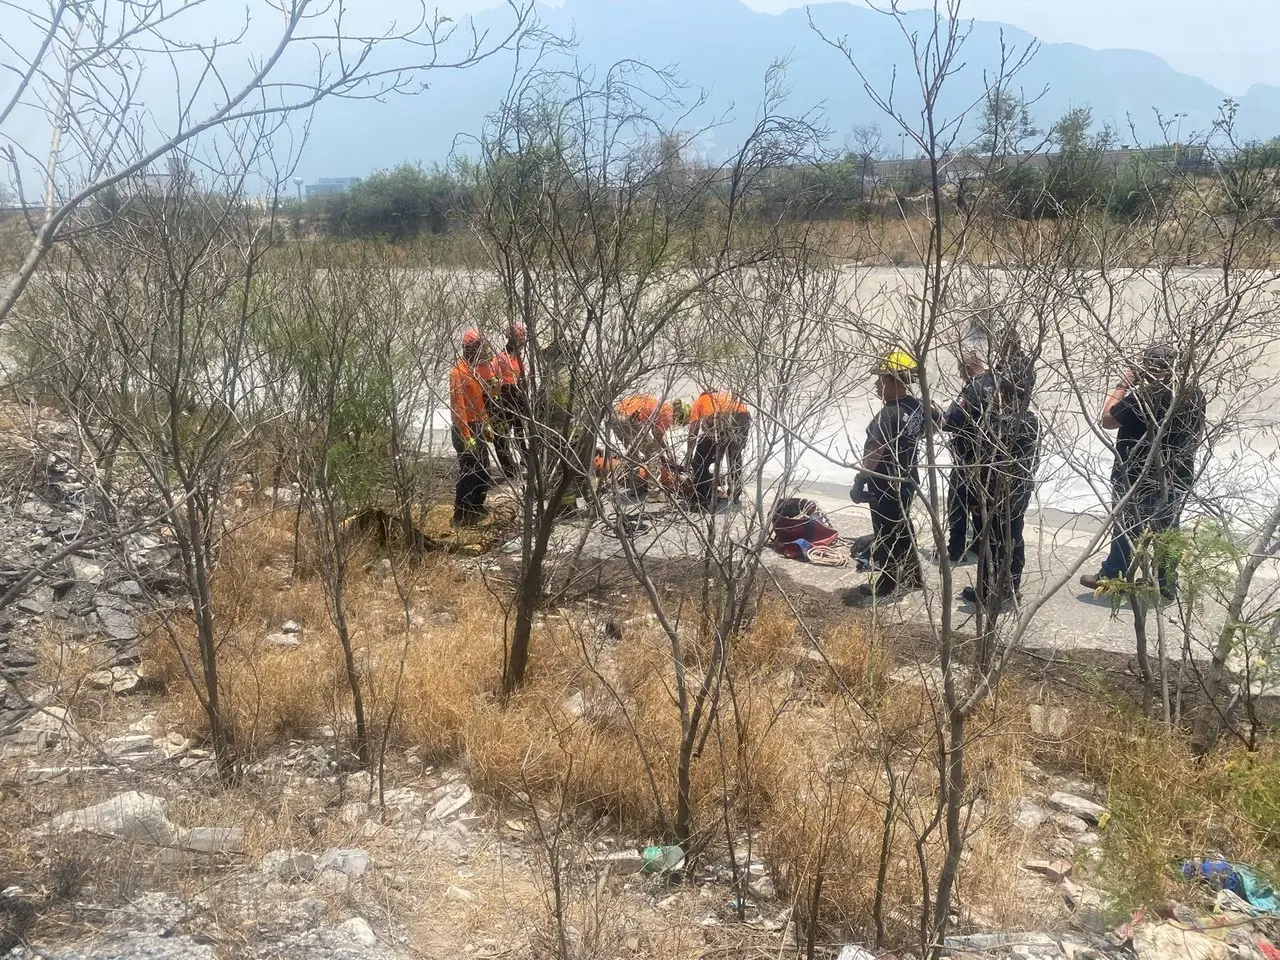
(804, 754)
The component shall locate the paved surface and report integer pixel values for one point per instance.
(1070, 619)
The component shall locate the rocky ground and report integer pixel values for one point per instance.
(125, 845)
(429, 868)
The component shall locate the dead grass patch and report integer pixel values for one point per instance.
(806, 760)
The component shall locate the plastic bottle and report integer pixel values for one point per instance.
(662, 859)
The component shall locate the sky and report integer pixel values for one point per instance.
(1231, 43)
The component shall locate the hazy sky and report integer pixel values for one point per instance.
(1230, 43)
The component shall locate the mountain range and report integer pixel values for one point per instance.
(724, 48)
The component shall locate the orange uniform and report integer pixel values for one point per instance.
(509, 369)
(711, 403)
(489, 373)
(644, 408)
(466, 397)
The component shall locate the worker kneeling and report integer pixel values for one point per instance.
(888, 481)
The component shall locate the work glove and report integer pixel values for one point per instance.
(861, 491)
(488, 432)
(469, 444)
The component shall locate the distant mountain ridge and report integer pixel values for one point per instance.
(726, 48)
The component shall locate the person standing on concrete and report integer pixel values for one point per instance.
(889, 479)
(1159, 429)
(1006, 453)
(719, 427)
(469, 414)
(960, 421)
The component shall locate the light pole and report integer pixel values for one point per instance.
(297, 182)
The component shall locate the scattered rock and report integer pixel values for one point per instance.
(353, 813)
(291, 866)
(453, 802)
(135, 816)
(461, 894)
(1051, 722)
(762, 889)
(353, 862)
(1078, 806)
(35, 603)
(1055, 870)
(288, 641)
(1069, 822)
(1085, 903)
(213, 840)
(853, 952)
(130, 589)
(358, 930)
(160, 945)
(86, 571)
(131, 746)
(116, 624)
(1028, 816)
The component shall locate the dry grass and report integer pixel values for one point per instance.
(795, 754)
(798, 755)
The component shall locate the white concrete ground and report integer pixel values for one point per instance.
(1070, 619)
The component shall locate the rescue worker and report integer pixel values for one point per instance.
(889, 479)
(469, 429)
(719, 427)
(958, 421)
(511, 403)
(640, 424)
(1006, 452)
(1143, 407)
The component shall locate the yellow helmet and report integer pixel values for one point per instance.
(898, 364)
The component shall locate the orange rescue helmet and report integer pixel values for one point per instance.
(472, 338)
(517, 333)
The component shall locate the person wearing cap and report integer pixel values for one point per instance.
(469, 413)
(510, 405)
(719, 427)
(1159, 429)
(889, 479)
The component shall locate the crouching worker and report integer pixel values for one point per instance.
(888, 481)
(470, 425)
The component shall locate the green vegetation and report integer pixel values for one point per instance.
(398, 204)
